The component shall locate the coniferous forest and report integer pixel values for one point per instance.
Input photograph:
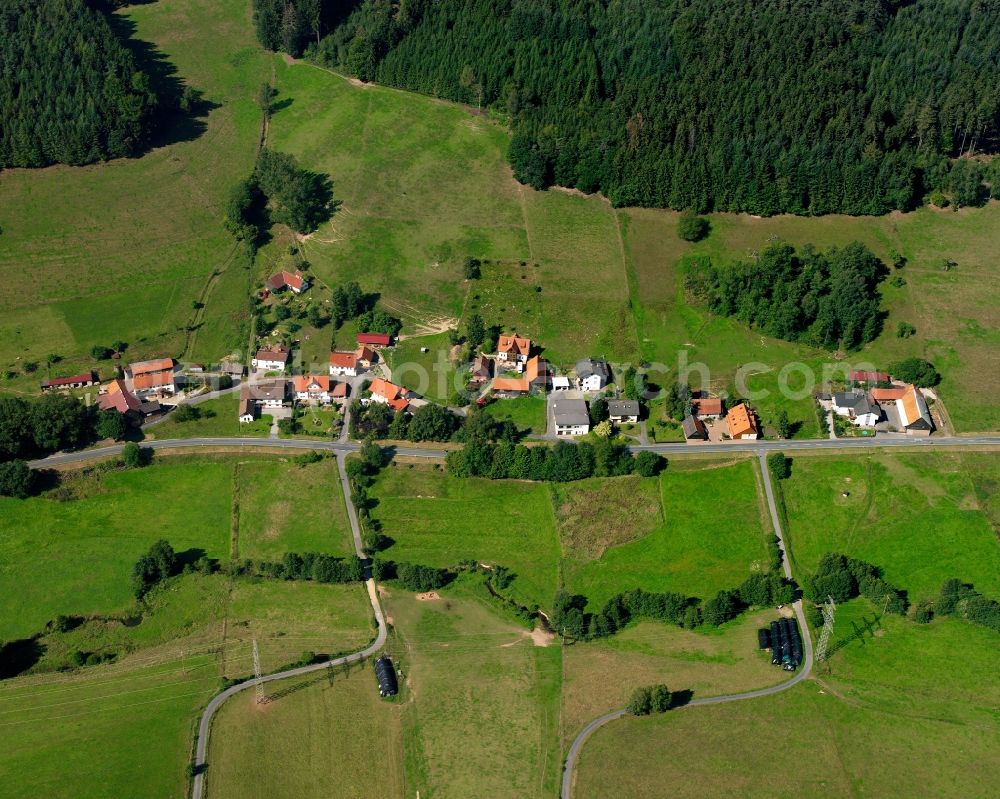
(763, 106)
(70, 92)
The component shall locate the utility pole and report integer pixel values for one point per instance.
(824, 637)
(261, 698)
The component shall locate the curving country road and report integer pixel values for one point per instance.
(803, 672)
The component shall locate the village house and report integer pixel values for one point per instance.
(909, 406)
(694, 428)
(570, 417)
(280, 281)
(315, 389)
(365, 356)
(706, 407)
(156, 377)
(536, 376)
(389, 394)
(481, 370)
(263, 395)
(375, 340)
(592, 374)
(869, 378)
(65, 383)
(623, 411)
(273, 358)
(858, 407)
(116, 396)
(343, 364)
(741, 422)
(513, 352)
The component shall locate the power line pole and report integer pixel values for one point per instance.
(824, 637)
(261, 697)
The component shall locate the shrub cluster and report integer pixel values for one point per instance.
(159, 563)
(649, 699)
(962, 599)
(844, 578)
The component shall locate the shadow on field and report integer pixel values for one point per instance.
(680, 698)
(172, 122)
(16, 657)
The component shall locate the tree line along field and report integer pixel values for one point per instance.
(424, 183)
(71, 554)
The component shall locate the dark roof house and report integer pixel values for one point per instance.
(694, 428)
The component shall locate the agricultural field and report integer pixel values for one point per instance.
(922, 517)
(319, 735)
(151, 666)
(481, 699)
(841, 749)
(699, 531)
(121, 251)
(286, 508)
(438, 520)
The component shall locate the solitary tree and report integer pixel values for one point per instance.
(692, 227)
(132, 455)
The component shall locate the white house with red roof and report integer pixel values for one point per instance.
(343, 364)
(315, 389)
(272, 358)
(280, 281)
(513, 351)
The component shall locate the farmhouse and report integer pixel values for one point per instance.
(312, 388)
(706, 407)
(536, 376)
(512, 350)
(116, 396)
(858, 407)
(388, 394)
(272, 359)
(365, 356)
(266, 394)
(592, 374)
(481, 370)
(741, 422)
(623, 411)
(153, 377)
(343, 364)
(280, 281)
(76, 381)
(375, 339)
(869, 378)
(694, 428)
(570, 417)
(914, 413)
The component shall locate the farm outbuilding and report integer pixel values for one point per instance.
(386, 674)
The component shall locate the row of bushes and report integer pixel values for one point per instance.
(843, 578)
(758, 590)
(560, 463)
(412, 576)
(314, 566)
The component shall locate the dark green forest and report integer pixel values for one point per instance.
(763, 106)
(70, 92)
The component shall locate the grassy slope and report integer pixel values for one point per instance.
(915, 515)
(120, 250)
(318, 739)
(481, 703)
(798, 743)
(711, 537)
(438, 520)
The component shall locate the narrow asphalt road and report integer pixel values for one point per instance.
(574, 750)
(205, 725)
(344, 446)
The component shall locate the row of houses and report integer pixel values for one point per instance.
(264, 395)
(740, 420)
(277, 357)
